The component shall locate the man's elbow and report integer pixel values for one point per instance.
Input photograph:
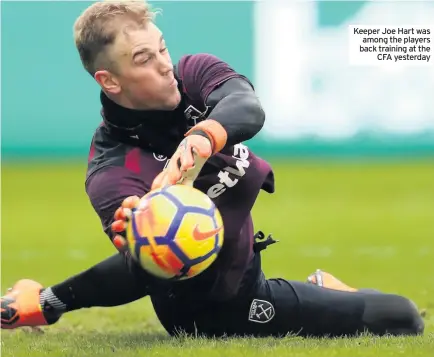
(255, 114)
(260, 115)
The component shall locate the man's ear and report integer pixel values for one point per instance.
(108, 81)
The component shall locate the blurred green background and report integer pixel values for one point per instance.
(295, 53)
(355, 196)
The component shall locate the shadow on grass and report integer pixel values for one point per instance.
(130, 340)
(120, 339)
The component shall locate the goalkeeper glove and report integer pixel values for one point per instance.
(122, 216)
(200, 142)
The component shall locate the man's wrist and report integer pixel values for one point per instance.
(201, 133)
(213, 131)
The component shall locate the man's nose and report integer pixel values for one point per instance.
(166, 65)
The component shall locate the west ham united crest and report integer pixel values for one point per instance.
(194, 115)
(261, 311)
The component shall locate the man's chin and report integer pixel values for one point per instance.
(174, 102)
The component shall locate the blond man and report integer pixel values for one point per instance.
(154, 116)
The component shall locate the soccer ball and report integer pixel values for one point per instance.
(175, 232)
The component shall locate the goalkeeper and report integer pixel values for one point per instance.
(149, 107)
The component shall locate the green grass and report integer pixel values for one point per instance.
(369, 223)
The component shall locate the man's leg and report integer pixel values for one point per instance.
(327, 312)
(278, 307)
(115, 281)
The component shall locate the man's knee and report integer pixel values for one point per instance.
(391, 314)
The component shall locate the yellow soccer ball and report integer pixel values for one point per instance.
(175, 232)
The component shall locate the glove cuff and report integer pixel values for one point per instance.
(201, 133)
(214, 131)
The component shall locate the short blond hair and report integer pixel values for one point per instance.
(95, 29)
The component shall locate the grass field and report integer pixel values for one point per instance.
(369, 223)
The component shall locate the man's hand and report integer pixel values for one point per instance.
(122, 217)
(187, 161)
(201, 141)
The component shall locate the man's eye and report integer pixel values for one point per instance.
(143, 60)
(163, 49)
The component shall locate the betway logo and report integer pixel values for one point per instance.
(241, 153)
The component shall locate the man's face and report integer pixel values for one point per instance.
(144, 72)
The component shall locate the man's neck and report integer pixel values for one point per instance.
(121, 101)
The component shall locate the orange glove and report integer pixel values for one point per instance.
(192, 149)
(122, 216)
(192, 153)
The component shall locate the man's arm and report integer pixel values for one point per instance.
(236, 116)
(236, 108)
